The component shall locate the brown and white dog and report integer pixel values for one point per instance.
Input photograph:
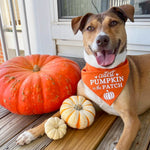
(105, 41)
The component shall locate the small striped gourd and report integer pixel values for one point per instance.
(55, 128)
(77, 112)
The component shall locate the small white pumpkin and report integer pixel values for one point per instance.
(55, 128)
(77, 112)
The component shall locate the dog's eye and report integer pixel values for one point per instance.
(113, 23)
(90, 28)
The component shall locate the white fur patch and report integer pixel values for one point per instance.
(25, 138)
(102, 33)
(103, 105)
(91, 60)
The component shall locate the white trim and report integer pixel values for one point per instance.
(4, 12)
(10, 43)
(12, 15)
(140, 21)
(69, 43)
(24, 27)
(39, 25)
(55, 6)
(2, 37)
(74, 48)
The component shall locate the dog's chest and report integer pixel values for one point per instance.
(96, 99)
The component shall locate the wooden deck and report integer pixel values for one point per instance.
(12, 125)
(102, 135)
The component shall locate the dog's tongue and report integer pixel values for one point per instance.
(105, 58)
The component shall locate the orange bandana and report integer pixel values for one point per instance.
(106, 83)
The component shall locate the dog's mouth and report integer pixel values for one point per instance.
(106, 57)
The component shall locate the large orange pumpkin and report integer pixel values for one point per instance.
(37, 84)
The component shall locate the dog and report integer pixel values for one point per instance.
(105, 43)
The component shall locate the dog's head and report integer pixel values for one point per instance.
(104, 35)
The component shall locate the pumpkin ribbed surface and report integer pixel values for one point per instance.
(55, 128)
(37, 84)
(77, 112)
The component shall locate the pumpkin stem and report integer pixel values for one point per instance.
(78, 107)
(36, 68)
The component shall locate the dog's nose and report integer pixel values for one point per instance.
(102, 40)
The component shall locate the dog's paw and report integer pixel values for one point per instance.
(115, 149)
(25, 138)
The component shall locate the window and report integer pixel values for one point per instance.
(68, 9)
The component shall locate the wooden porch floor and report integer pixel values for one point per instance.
(102, 135)
(12, 125)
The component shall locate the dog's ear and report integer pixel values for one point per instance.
(78, 23)
(124, 12)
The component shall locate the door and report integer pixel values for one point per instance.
(68, 44)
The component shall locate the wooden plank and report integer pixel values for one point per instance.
(143, 138)
(112, 137)
(3, 112)
(141, 142)
(87, 138)
(11, 124)
(39, 143)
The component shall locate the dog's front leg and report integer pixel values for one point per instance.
(31, 134)
(131, 127)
